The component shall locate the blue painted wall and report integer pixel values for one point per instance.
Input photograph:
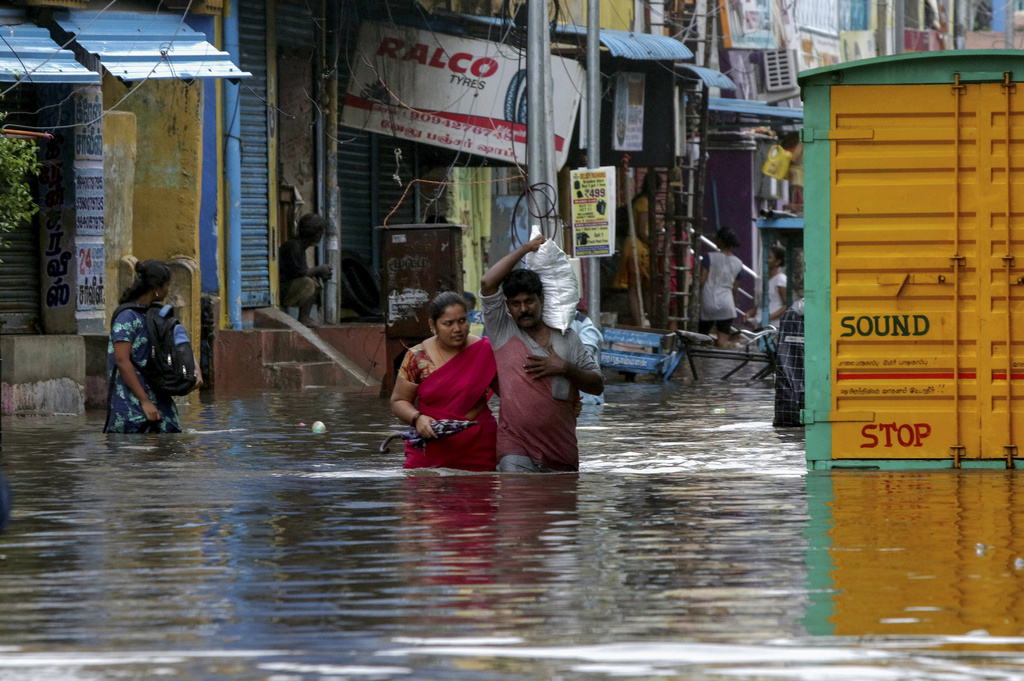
(209, 238)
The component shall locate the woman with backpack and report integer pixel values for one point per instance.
(134, 406)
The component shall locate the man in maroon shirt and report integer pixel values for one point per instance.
(540, 371)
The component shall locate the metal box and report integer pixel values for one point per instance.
(417, 263)
(914, 217)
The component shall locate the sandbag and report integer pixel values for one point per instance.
(561, 291)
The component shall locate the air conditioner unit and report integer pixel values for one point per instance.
(779, 70)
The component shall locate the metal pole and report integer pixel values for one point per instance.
(1008, 10)
(899, 11)
(331, 198)
(594, 140)
(539, 143)
(881, 11)
(233, 171)
(550, 164)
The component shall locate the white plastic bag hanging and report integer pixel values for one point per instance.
(561, 290)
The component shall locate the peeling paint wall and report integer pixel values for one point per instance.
(168, 168)
(119, 152)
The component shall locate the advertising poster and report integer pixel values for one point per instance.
(747, 24)
(89, 198)
(91, 268)
(628, 132)
(857, 45)
(462, 94)
(593, 212)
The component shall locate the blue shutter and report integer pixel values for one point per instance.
(255, 155)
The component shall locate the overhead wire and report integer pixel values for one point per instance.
(383, 81)
(60, 48)
(132, 89)
(532, 202)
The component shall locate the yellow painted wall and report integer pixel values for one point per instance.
(168, 180)
(617, 14)
(119, 153)
(168, 164)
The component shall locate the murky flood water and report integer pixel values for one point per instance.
(691, 545)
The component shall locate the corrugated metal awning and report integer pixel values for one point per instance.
(624, 44)
(710, 77)
(756, 111)
(27, 53)
(630, 45)
(135, 46)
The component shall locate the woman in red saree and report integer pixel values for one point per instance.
(448, 376)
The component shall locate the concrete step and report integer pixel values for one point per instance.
(281, 353)
(299, 375)
(283, 345)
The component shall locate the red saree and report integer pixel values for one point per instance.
(449, 392)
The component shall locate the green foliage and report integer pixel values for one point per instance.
(18, 162)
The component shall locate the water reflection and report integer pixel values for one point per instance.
(920, 553)
(692, 545)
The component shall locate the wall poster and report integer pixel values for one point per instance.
(628, 132)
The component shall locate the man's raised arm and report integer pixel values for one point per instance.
(492, 278)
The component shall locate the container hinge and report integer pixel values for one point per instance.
(808, 416)
(812, 134)
(982, 77)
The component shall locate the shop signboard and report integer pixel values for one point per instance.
(461, 94)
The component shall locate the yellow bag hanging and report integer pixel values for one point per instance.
(777, 165)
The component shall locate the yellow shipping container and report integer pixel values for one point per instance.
(915, 299)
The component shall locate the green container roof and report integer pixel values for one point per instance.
(922, 68)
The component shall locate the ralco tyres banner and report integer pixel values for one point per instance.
(458, 93)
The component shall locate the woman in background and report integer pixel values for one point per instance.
(134, 407)
(776, 289)
(719, 279)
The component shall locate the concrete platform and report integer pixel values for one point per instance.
(280, 353)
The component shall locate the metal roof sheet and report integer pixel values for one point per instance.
(630, 45)
(28, 53)
(753, 109)
(710, 77)
(625, 44)
(135, 46)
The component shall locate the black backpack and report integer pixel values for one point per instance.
(171, 366)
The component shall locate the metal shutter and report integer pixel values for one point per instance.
(355, 151)
(255, 155)
(354, 185)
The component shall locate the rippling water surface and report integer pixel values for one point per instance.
(691, 545)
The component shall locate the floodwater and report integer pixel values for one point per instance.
(693, 544)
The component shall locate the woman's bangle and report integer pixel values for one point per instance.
(415, 417)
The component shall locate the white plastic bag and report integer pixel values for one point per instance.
(561, 291)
